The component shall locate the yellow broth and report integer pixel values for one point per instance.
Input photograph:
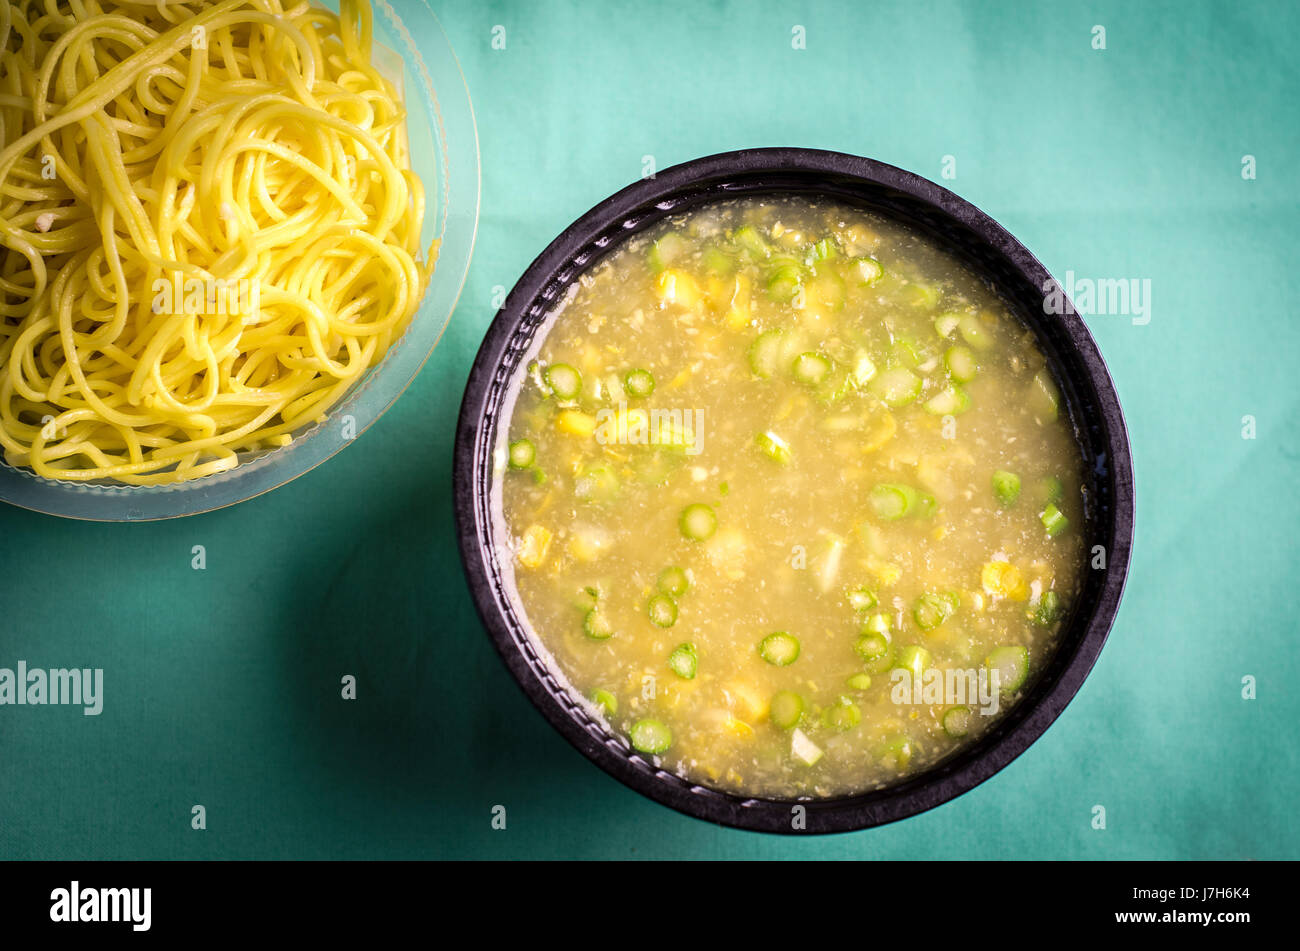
(823, 428)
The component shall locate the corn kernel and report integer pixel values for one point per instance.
(576, 423)
(677, 287)
(533, 546)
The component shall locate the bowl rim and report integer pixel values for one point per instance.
(537, 290)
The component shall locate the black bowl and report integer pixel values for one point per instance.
(1023, 284)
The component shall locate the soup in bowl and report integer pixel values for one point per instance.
(786, 499)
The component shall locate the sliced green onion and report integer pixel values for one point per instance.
(587, 598)
(858, 682)
(883, 663)
(596, 626)
(915, 658)
(974, 332)
(842, 715)
(879, 624)
(872, 646)
(961, 363)
(598, 483)
(786, 710)
(564, 381)
(765, 354)
(662, 610)
(907, 353)
(749, 239)
(1044, 398)
(948, 402)
(684, 661)
(650, 736)
(718, 261)
(522, 454)
(921, 295)
(774, 447)
(673, 581)
(895, 752)
(810, 369)
(784, 278)
(606, 701)
(945, 324)
(698, 522)
(839, 386)
(931, 610)
(896, 386)
(1052, 489)
(863, 599)
(1006, 486)
(867, 270)
(779, 649)
(1054, 520)
(1048, 611)
(891, 501)
(956, 721)
(863, 370)
(640, 383)
(1011, 664)
(823, 250)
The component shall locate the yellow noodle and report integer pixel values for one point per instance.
(209, 229)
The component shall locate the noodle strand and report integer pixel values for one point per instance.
(209, 229)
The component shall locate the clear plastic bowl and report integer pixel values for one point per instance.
(444, 153)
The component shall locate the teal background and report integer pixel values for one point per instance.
(222, 685)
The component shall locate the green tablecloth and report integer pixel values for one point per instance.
(222, 686)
